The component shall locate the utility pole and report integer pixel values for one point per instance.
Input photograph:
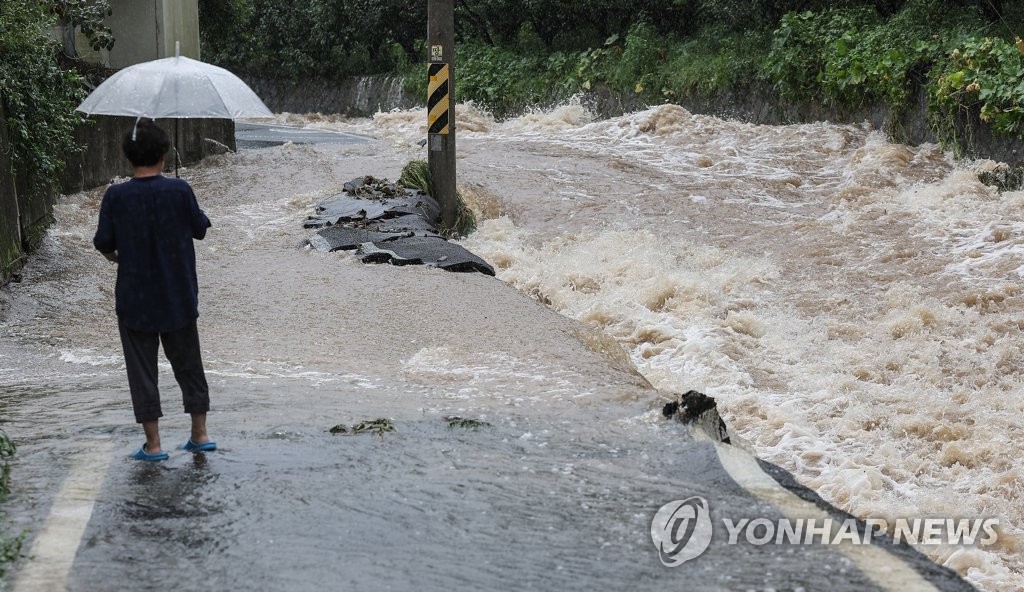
(441, 106)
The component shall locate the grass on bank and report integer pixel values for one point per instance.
(416, 175)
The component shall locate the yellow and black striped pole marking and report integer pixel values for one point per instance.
(438, 102)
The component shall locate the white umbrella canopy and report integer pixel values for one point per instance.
(177, 87)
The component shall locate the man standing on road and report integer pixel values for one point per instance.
(146, 227)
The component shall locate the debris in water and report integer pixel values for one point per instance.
(378, 426)
(1004, 177)
(431, 251)
(374, 425)
(455, 421)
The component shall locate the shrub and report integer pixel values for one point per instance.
(985, 75)
(803, 44)
(717, 60)
(39, 94)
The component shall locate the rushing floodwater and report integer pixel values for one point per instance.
(854, 305)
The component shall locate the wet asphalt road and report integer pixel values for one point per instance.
(439, 509)
(260, 135)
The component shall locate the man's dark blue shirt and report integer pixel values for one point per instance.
(151, 222)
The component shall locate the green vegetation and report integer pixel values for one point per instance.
(416, 175)
(984, 74)
(39, 94)
(515, 55)
(87, 16)
(643, 62)
(318, 38)
(963, 60)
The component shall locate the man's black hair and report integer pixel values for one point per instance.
(146, 144)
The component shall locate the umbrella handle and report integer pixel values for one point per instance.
(177, 157)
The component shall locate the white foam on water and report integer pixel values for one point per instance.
(496, 376)
(91, 357)
(270, 370)
(875, 347)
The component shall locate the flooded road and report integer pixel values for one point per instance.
(853, 304)
(850, 303)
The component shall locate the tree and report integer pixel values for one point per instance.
(40, 96)
(86, 15)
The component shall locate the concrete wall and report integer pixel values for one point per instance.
(102, 159)
(179, 21)
(133, 23)
(146, 30)
(358, 96)
(10, 225)
(35, 210)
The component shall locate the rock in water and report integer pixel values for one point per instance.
(699, 410)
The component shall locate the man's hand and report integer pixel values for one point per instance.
(112, 257)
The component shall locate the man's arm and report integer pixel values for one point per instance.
(199, 220)
(104, 241)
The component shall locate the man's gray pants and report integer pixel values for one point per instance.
(182, 350)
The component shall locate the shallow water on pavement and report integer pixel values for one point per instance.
(296, 342)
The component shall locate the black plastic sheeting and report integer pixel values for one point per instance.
(343, 238)
(385, 223)
(426, 250)
(344, 209)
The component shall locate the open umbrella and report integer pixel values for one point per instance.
(175, 88)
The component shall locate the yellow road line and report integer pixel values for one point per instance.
(54, 550)
(884, 569)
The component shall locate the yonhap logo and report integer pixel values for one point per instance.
(682, 530)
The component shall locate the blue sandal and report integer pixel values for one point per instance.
(191, 446)
(141, 454)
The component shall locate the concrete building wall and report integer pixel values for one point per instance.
(147, 30)
(179, 22)
(134, 24)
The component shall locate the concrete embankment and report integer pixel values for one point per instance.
(758, 103)
(359, 96)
